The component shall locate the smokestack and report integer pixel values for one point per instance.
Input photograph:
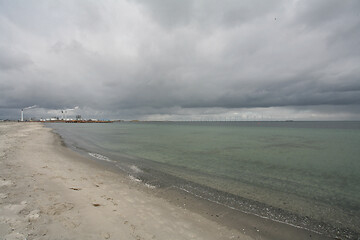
(22, 111)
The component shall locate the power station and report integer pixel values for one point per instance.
(63, 117)
(22, 112)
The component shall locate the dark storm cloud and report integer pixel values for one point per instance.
(173, 58)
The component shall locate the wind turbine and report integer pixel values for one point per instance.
(22, 111)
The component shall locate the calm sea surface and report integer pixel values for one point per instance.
(302, 173)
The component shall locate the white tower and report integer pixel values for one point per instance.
(22, 115)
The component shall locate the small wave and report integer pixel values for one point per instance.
(150, 186)
(100, 157)
(132, 178)
(136, 169)
(135, 179)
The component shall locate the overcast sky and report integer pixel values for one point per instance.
(181, 59)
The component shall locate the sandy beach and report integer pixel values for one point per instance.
(50, 192)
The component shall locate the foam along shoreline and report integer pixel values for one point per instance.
(51, 192)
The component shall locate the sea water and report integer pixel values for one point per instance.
(305, 174)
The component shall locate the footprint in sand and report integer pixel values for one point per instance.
(58, 208)
(109, 199)
(105, 235)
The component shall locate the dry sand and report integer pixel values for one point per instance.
(50, 192)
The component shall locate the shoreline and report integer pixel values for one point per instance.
(36, 161)
(223, 214)
(170, 185)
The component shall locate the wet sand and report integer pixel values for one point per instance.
(48, 191)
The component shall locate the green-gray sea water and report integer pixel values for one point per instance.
(302, 173)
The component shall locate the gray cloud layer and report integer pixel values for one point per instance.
(141, 58)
